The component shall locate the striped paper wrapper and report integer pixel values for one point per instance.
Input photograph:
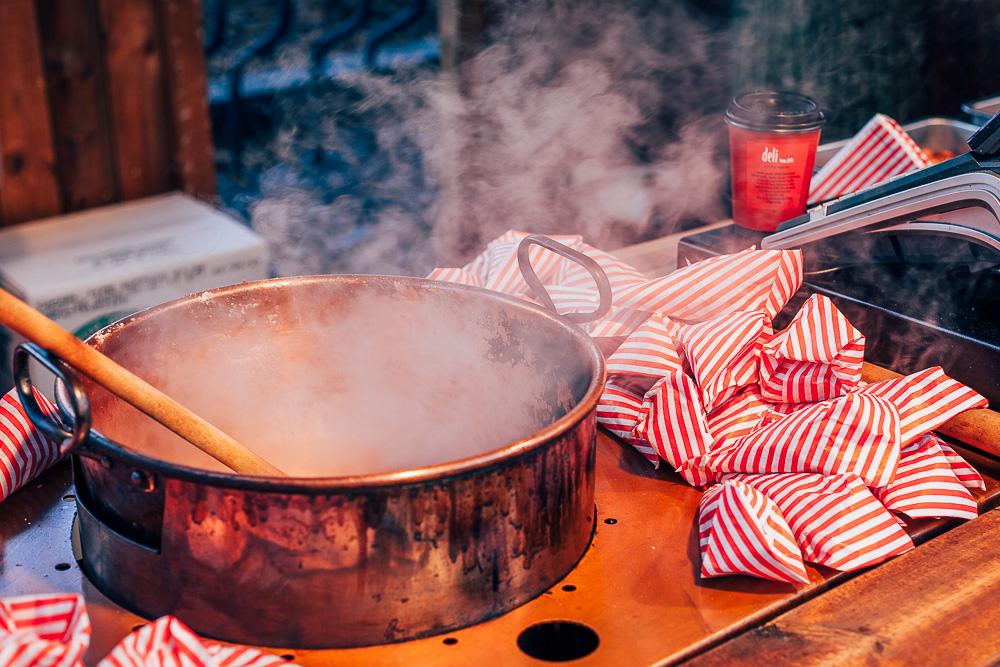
(672, 421)
(742, 531)
(619, 411)
(963, 470)
(835, 519)
(24, 452)
(753, 280)
(167, 642)
(748, 281)
(723, 354)
(809, 463)
(818, 356)
(738, 417)
(856, 433)
(647, 355)
(43, 631)
(932, 481)
(881, 150)
(496, 269)
(54, 631)
(925, 400)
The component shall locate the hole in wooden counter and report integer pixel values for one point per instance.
(558, 641)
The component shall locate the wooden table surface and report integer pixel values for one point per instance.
(637, 585)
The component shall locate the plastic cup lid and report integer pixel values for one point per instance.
(774, 111)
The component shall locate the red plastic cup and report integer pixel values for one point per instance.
(772, 149)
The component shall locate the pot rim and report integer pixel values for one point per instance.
(99, 444)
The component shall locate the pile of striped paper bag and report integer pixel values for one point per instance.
(800, 459)
(54, 631)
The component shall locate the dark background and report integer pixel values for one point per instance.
(312, 138)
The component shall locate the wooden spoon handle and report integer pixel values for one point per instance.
(976, 428)
(127, 386)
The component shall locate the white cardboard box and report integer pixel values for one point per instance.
(88, 269)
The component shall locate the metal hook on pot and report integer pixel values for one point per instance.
(77, 416)
(592, 267)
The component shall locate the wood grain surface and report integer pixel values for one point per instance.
(100, 101)
(190, 130)
(135, 89)
(29, 187)
(74, 70)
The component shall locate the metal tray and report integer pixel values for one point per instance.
(981, 111)
(937, 134)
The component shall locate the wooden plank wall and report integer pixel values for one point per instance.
(190, 138)
(100, 101)
(28, 182)
(72, 50)
(135, 94)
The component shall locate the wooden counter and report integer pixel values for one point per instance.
(637, 585)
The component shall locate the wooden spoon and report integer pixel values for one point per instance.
(127, 386)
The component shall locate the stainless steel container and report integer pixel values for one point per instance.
(981, 111)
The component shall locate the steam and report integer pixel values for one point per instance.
(341, 378)
(574, 119)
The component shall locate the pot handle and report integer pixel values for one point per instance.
(592, 267)
(74, 428)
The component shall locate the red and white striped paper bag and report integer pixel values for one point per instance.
(835, 518)
(738, 417)
(723, 353)
(168, 642)
(816, 357)
(963, 470)
(856, 433)
(925, 400)
(781, 421)
(672, 422)
(496, 268)
(696, 366)
(741, 531)
(619, 410)
(649, 400)
(752, 280)
(648, 354)
(53, 630)
(927, 485)
(881, 150)
(747, 281)
(653, 364)
(43, 631)
(24, 452)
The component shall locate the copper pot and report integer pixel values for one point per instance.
(462, 490)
